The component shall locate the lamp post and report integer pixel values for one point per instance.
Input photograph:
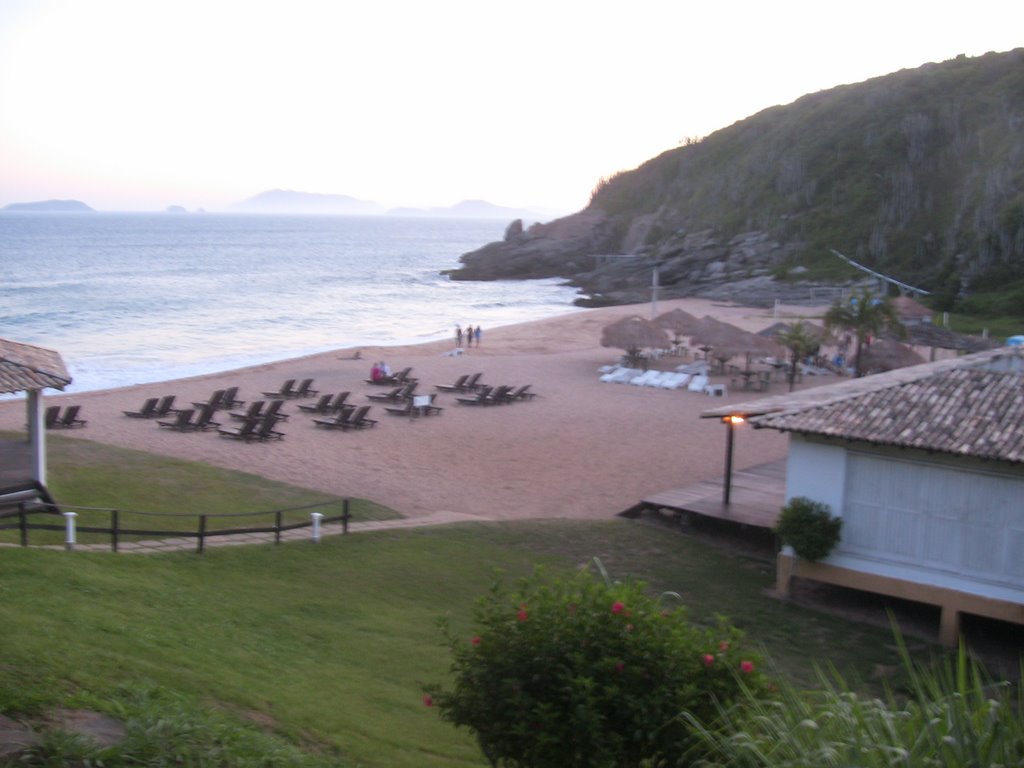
(730, 425)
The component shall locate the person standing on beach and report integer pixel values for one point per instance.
(458, 336)
(477, 333)
(469, 335)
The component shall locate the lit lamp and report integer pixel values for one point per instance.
(730, 424)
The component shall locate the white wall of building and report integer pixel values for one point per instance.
(926, 518)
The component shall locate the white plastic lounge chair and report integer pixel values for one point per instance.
(697, 383)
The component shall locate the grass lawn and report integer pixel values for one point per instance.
(169, 495)
(330, 644)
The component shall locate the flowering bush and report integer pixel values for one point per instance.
(581, 672)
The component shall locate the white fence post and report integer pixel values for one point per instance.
(69, 528)
(317, 517)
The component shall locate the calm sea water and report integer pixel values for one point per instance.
(133, 298)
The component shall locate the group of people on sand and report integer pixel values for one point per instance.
(380, 371)
(468, 335)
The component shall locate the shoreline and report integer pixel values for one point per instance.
(581, 449)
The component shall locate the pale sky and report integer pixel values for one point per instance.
(139, 104)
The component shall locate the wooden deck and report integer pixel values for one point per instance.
(756, 497)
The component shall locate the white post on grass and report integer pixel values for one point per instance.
(316, 517)
(69, 528)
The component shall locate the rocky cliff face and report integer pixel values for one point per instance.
(915, 174)
(587, 250)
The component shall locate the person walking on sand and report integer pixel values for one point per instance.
(458, 336)
(469, 335)
(477, 333)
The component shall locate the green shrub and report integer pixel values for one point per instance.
(809, 528)
(582, 672)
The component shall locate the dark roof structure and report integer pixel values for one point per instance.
(966, 406)
(26, 367)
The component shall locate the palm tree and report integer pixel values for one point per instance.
(865, 315)
(799, 340)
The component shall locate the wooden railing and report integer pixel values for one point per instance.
(24, 516)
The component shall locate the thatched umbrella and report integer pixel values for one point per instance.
(633, 334)
(678, 322)
(727, 340)
(886, 355)
(816, 332)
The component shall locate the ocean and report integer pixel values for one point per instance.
(142, 297)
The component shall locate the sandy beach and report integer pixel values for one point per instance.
(580, 449)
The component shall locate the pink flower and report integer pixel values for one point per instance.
(709, 659)
(746, 667)
(523, 614)
(475, 640)
(618, 607)
(428, 700)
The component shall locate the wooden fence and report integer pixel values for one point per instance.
(25, 516)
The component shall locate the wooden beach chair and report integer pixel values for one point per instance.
(165, 406)
(70, 418)
(181, 422)
(285, 391)
(323, 405)
(147, 411)
(215, 400)
(305, 389)
(254, 411)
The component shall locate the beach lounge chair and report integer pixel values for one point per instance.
(455, 386)
(305, 389)
(265, 430)
(229, 399)
(70, 418)
(181, 422)
(521, 393)
(387, 397)
(285, 391)
(247, 431)
(165, 406)
(359, 419)
(697, 383)
(51, 416)
(420, 405)
(323, 405)
(334, 422)
(274, 409)
(339, 401)
(498, 395)
(215, 400)
(254, 411)
(147, 411)
(204, 420)
(479, 399)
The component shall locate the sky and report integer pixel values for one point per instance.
(136, 105)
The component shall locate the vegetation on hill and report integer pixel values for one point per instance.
(918, 174)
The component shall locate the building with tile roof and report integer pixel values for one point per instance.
(925, 466)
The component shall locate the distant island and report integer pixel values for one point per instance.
(290, 201)
(51, 206)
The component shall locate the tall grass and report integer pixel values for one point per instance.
(949, 714)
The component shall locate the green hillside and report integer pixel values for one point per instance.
(919, 174)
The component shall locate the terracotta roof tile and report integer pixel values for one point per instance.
(967, 412)
(25, 367)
